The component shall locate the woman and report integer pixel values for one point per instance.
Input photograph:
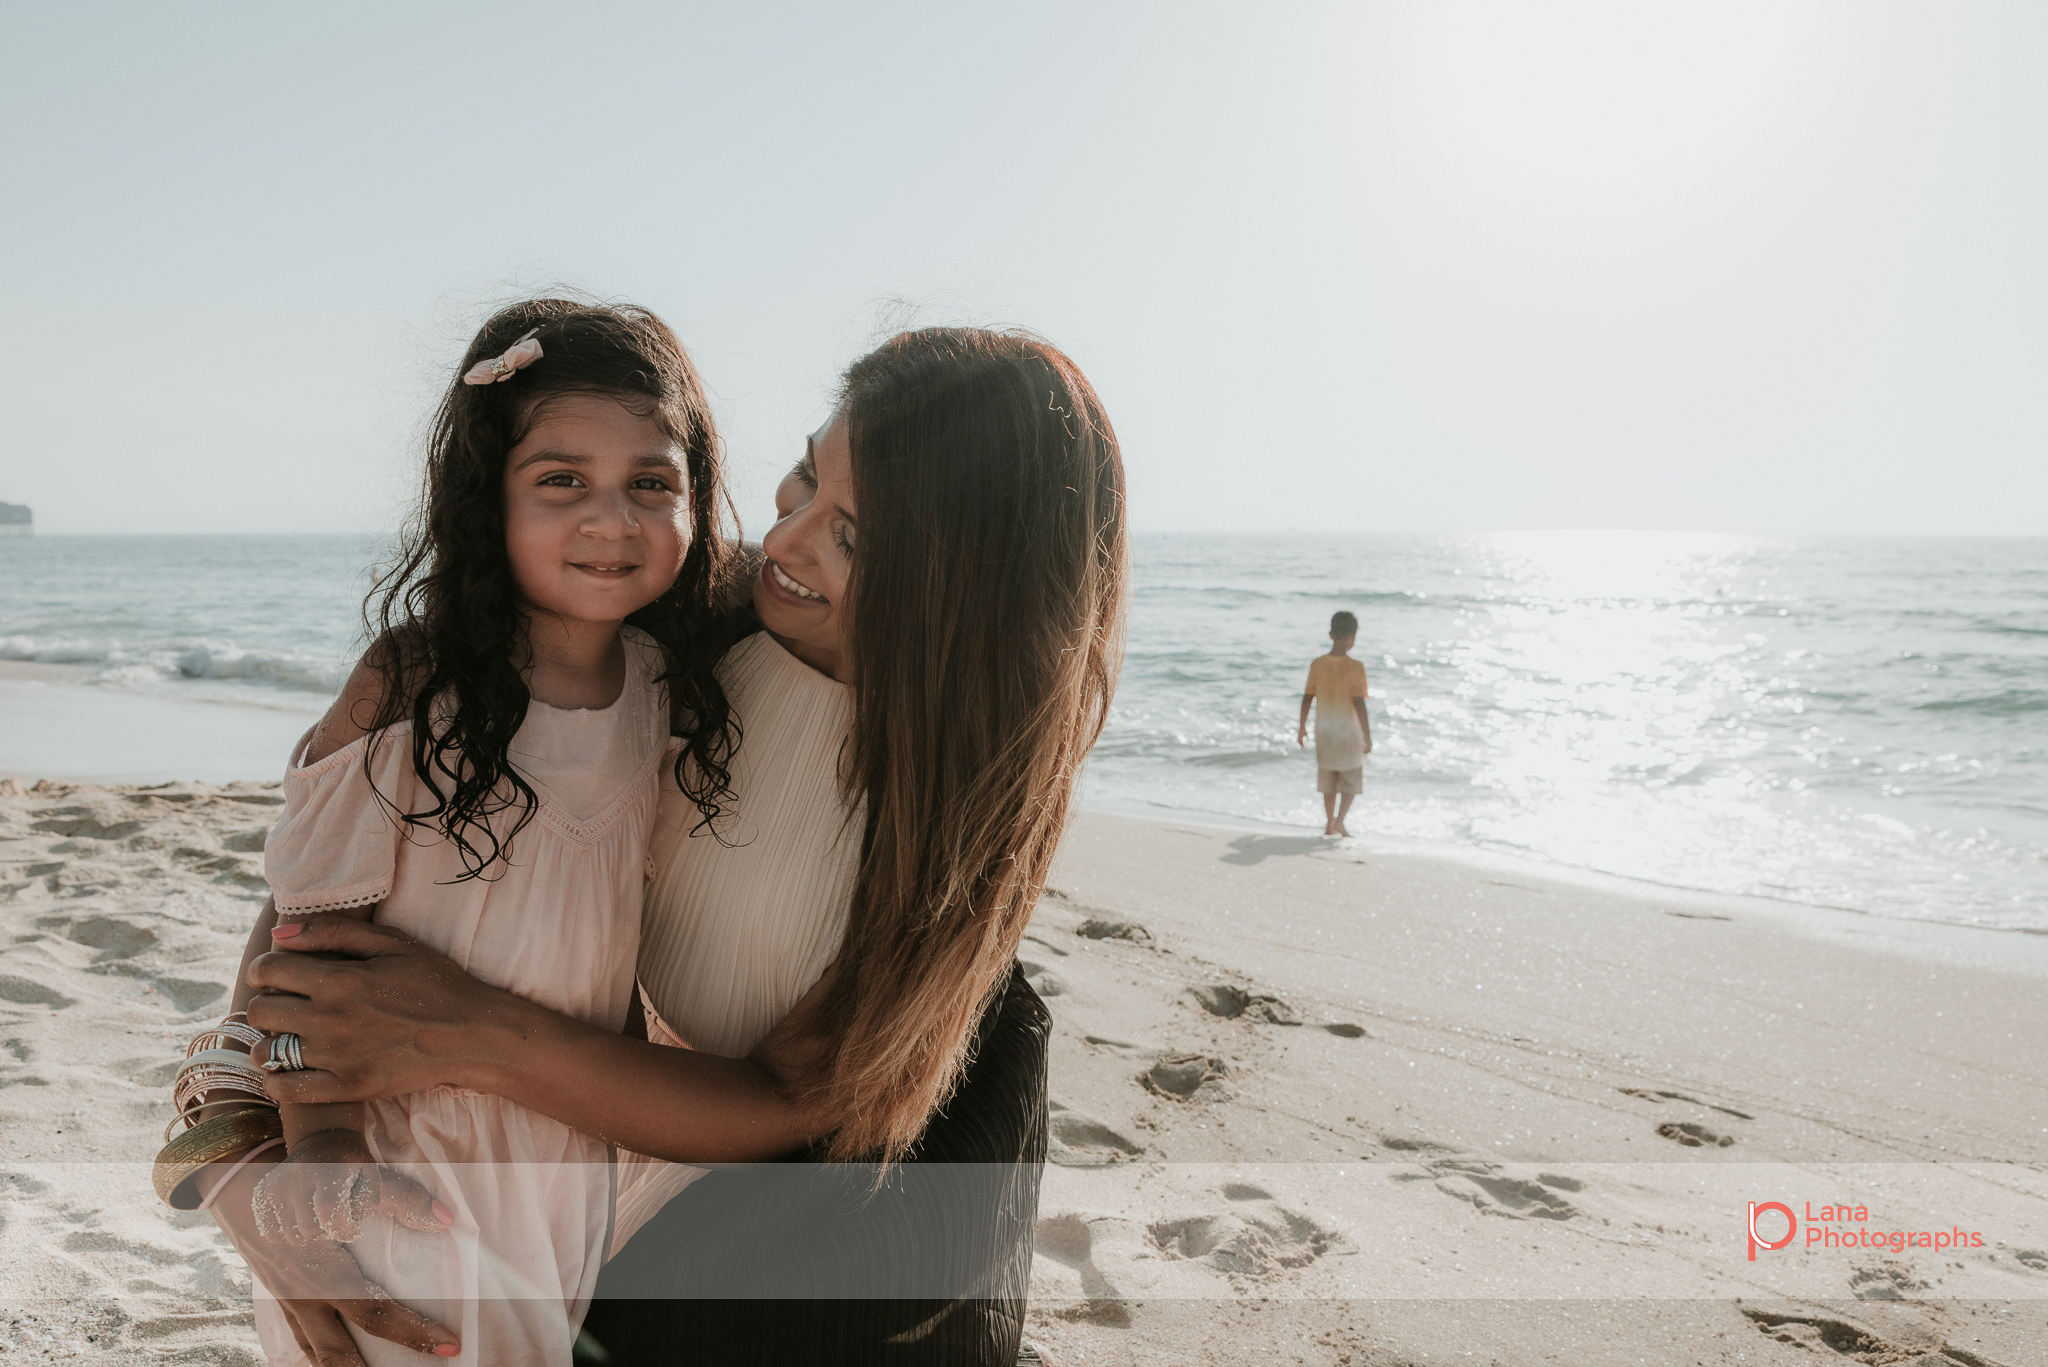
(950, 559)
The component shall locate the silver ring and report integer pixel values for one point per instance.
(286, 1056)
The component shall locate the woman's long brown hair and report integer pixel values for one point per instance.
(987, 590)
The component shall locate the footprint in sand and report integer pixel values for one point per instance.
(28, 992)
(1495, 1192)
(1235, 1003)
(1693, 1136)
(1068, 1240)
(1079, 1140)
(1886, 1282)
(1257, 1240)
(1345, 1030)
(185, 995)
(113, 937)
(1839, 1339)
(1095, 929)
(1187, 1077)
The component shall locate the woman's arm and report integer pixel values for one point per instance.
(397, 1017)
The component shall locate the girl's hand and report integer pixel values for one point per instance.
(330, 1186)
(320, 1288)
(1301, 735)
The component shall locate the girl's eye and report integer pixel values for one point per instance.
(839, 536)
(560, 479)
(653, 482)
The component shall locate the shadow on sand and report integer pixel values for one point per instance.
(1251, 849)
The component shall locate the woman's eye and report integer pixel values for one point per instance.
(653, 482)
(560, 479)
(839, 536)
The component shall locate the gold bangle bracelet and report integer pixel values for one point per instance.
(208, 1142)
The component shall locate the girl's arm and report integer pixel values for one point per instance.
(299, 1120)
(395, 1017)
(320, 1141)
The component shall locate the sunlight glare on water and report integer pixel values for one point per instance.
(1851, 722)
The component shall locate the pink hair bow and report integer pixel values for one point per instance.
(518, 356)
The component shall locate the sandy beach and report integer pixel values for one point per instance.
(1316, 1102)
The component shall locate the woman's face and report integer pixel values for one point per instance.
(595, 513)
(801, 594)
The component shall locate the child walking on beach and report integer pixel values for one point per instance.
(1336, 688)
(487, 782)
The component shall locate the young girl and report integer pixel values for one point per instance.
(487, 782)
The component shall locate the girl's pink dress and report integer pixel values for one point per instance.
(559, 925)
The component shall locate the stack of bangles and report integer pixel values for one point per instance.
(243, 1122)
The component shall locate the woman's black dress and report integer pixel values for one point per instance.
(808, 1262)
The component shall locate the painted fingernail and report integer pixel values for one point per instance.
(447, 1350)
(443, 1214)
(286, 931)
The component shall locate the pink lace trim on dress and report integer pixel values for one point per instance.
(344, 900)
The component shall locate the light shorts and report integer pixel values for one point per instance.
(1351, 781)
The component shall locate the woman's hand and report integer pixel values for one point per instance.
(391, 1017)
(320, 1288)
(329, 1187)
(386, 1015)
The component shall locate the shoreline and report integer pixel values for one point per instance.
(56, 714)
(60, 727)
(2018, 948)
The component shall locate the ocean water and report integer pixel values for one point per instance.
(1858, 723)
(264, 621)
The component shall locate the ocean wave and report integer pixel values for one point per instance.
(2012, 702)
(117, 662)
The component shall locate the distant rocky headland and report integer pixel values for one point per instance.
(16, 520)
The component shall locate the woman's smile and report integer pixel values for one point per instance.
(779, 578)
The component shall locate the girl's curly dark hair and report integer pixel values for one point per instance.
(446, 619)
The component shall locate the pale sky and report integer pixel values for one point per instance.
(1421, 266)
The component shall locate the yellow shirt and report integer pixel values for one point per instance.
(1336, 679)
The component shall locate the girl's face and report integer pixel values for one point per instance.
(596, 518)
(801, 594)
